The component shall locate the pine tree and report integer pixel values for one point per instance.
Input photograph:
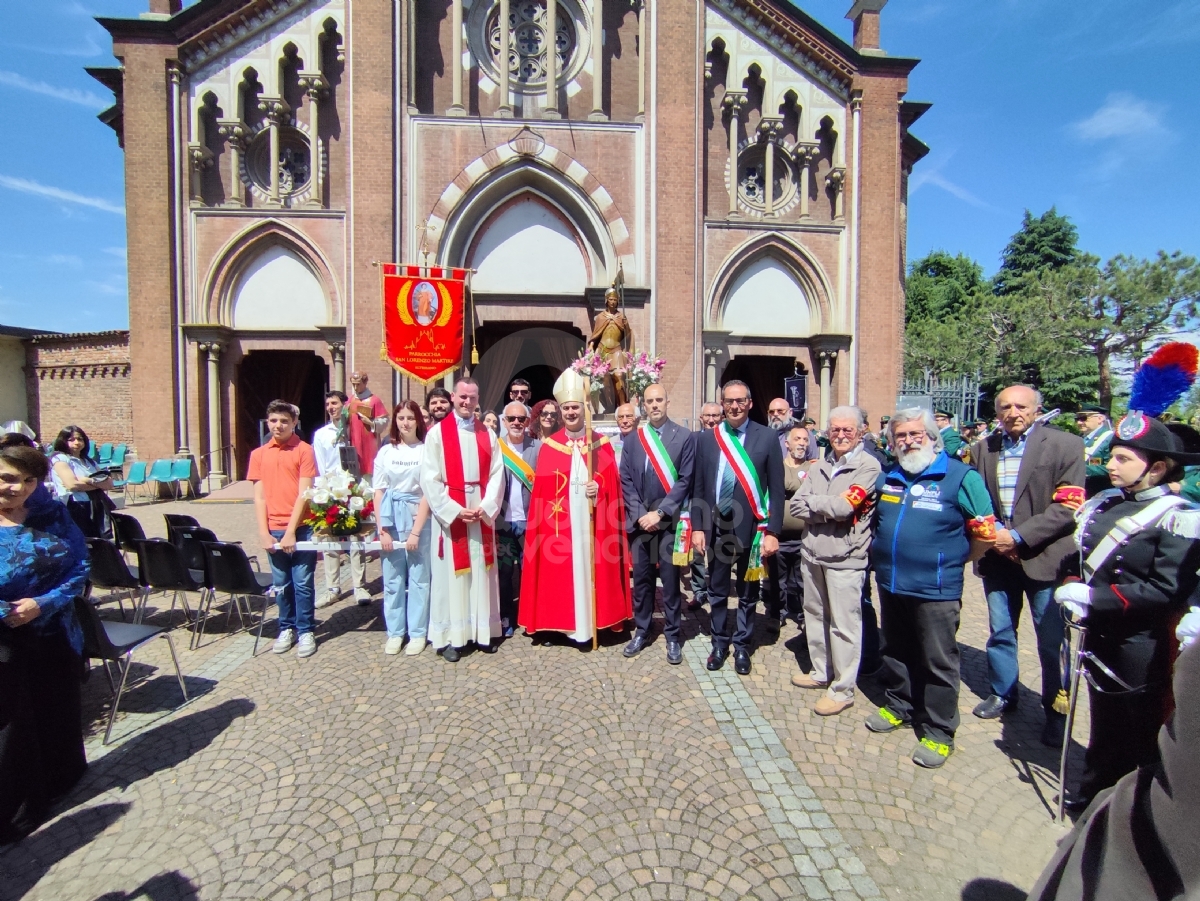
(1045, 243)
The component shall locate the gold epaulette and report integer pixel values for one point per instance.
(598, 443)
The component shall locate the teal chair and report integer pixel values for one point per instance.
(160, 473)
(104, 457)
(181, 476)
(135, 479)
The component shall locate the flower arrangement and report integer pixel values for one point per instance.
(643, 370)
(594, 366)
(337, 505)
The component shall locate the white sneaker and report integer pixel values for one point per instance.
(415, 647)
(284, 642)
(394, 644)
(326, 599)
(362, 596)
(307, 645)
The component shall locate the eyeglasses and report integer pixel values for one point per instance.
(736, 401)
(548, 416)
(842, 431)
(517, 418)
(519, 391)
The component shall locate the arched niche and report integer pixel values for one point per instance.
(767, 299)
(527, 246)
(278, 290)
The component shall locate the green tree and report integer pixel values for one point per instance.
(940, 285)
(1047, 242)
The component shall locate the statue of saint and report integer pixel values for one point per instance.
(611, 337)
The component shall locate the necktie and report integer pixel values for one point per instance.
(725, 496)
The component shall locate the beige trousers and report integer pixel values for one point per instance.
(833, 625)
(333, 571)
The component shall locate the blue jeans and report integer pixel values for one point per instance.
(295, 588)
(1004, 596)
(406, 611)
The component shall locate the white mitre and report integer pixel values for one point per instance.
(571, 387)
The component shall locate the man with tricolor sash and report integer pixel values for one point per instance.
(462, 477)
(656, 477)
(737, 510)
(516, 451)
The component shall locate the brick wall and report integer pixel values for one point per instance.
(82, 380)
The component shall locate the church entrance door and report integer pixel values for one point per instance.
(297, 376)
(764, 375)
(535, 351)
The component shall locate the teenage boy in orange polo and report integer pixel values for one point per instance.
(282, 470)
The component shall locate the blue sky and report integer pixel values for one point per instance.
(1093, 107)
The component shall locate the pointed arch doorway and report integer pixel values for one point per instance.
(535, 351)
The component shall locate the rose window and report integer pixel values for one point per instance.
(752, 179)
(294, 162)
(528, 43)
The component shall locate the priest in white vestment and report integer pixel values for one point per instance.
(462, 476)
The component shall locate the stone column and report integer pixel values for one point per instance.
(770, 128)
(456, 66)
(597, 113)
(710, 373)
(836, 181)
(316, 87)
(641, 106)
(278, 113)
(806, 156)
(551, 110)
(235, 133)
(734, 101)
(337, 351)
(825, 359)
(505, 111)
(202, 158)
(216, 462)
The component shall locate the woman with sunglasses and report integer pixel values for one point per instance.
(544, 420)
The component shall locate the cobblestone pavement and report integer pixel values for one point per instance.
(538, 772)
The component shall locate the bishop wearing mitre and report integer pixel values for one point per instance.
(575, 574)
(462, 477)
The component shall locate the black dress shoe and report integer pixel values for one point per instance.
(992, 707)
(741, 662)
(1076, 802)
(635, 644)
(490, 648)
(1055, 730)
(716, 659)
(674, 653)
(773, 624)
(450, 654)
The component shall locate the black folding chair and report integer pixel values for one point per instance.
(177, 521)
(115, 643)
(127, 532)
(110, 572)
(229, 572)
(190, 541)
(161, 568)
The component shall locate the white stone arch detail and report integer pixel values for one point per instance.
(800, 264)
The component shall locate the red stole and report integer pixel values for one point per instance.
(456, 487)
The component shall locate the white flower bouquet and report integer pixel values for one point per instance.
(338, 505)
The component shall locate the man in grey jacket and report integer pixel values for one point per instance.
(835, 501)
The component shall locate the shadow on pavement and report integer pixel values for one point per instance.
(160, 748)
(991, 890)
(24, 864)
(169, 886)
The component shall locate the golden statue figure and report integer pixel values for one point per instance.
(612, 336)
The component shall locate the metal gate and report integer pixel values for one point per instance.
(958, 395)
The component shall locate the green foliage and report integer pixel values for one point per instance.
(940, 285)
(1047, 242)
(1066, 422)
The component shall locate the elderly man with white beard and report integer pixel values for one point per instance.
(931, 510)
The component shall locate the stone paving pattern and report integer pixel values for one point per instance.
(538, 772)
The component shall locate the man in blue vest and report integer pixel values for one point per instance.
(930, 509)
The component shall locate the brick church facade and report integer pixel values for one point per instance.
(741, 165)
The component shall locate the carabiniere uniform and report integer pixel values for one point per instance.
(1139, 556)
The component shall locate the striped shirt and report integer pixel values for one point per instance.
(1008, 468)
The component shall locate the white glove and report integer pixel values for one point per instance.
(1074, 597)
(1189, 628)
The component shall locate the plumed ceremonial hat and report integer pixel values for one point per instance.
(1161, 380)
(571, 387)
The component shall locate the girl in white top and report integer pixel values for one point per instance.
(402, 514)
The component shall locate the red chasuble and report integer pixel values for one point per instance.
(547, 578)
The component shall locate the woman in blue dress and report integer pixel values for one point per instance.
(43, 567)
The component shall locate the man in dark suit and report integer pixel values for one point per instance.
(656, 478)
(1035, 475)
(733, 521)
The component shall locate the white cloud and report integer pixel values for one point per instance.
(63, 259)
(70, 95)
(119, 252)
(929, 172)
(26, 186)
(1122, 116)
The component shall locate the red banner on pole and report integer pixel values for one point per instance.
(423, 320)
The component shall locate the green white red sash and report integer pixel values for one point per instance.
(743, 469)
(664, 468)
(520, 470)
